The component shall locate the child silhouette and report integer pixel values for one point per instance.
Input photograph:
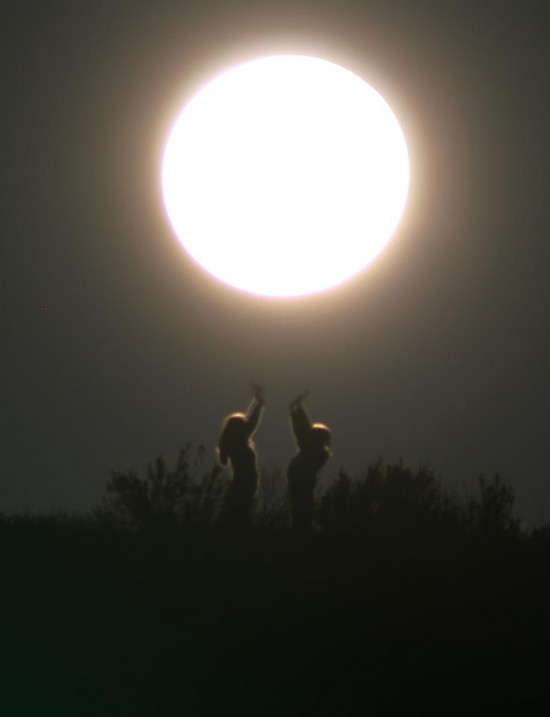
(313, 441)
(236, 447)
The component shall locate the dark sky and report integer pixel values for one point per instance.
(116, 347)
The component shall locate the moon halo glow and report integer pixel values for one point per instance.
(285, 176)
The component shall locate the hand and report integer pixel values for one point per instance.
(298, 400)
(257, 391)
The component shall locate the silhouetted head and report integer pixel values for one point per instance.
(234, 436)
(321, 437)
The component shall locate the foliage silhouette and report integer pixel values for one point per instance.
(165, 497)
(389, 498)
(541, 535)
(272, 508)
(396, 500)
(492, 515)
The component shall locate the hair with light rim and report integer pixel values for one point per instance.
(233, 432)
(322, 436)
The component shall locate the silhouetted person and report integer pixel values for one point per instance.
(236, 447)
(313, 441)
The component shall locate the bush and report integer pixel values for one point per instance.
(164, 497)
(388, 498)
(491, 516)
(271, 505)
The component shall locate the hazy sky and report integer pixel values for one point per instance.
(116, 347)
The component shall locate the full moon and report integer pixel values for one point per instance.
(285, 176)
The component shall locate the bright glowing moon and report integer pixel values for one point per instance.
(285, 176)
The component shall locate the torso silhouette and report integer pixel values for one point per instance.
(245, 469)
(302, 471)
(237, 448)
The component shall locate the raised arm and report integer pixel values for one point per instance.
(255, 410)
(301, 423)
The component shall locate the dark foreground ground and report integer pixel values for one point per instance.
(207, 623)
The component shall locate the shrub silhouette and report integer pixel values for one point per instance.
(388, 498)
(541, 535)
(165, 496)
(272, 509)
(491, 516)
(394, 499)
